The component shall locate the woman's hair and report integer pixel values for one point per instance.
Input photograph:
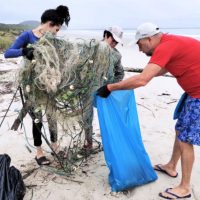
(107, 34)
(57, 16)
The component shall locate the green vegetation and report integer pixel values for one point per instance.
(6, 38)
(19, 27)
(9, 32)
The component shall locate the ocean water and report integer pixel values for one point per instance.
(130, 33)
(131, 55)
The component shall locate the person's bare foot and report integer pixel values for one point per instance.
(40, 157)
(175, 193)
(39, 152)
(166, 169)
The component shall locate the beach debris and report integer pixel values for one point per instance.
(61, 80)
(3, 118)
(6, 88)
(174, 101)
(29, 172)
(164, 94)
(146, 108)
(140, 70)
(28, 148)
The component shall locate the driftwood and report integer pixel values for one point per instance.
(20, 117)
(140, 70)
(29, 172)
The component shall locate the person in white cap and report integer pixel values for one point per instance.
(112, 36)
(146, 30)
(178, 55)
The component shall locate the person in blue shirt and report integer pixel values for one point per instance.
(51, 21)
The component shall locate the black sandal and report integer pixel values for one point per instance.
(42, 160)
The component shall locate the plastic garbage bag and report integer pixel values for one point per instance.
(11, 183)
(124, 151)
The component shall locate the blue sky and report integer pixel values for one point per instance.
(102, 13)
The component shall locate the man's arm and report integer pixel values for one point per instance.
(150, 71)
(162, 72)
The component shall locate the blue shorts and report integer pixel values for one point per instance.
(188, 124)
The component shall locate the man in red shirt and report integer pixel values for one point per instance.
(178, 55)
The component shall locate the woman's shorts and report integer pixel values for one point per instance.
(188, 123)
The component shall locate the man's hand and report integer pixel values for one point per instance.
(103, 91)
(28, 53)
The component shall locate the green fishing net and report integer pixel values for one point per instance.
(61, 81)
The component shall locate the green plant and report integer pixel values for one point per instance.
(5, 42)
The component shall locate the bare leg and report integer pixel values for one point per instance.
(187, 160)
(170, 167)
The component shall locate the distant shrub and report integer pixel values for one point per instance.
(2, 33)
(8, 33)
(15, 32)
(7, 38)
(5, 43)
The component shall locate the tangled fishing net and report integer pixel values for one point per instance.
(60, 82)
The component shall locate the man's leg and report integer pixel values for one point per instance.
(170, 167)
(187, 160)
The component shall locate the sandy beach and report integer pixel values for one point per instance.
(155, 103)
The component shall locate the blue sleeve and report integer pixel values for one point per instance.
(15, 50)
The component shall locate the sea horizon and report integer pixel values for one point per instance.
(130, 33)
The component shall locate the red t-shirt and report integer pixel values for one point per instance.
(180, 56)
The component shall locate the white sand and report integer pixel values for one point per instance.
(155, 113)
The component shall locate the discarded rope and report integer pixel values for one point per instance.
(9, 106)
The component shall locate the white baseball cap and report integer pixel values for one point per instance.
(117, 33)
(146, 30)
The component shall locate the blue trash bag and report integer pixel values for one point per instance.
(124, 151)
(180, 105)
